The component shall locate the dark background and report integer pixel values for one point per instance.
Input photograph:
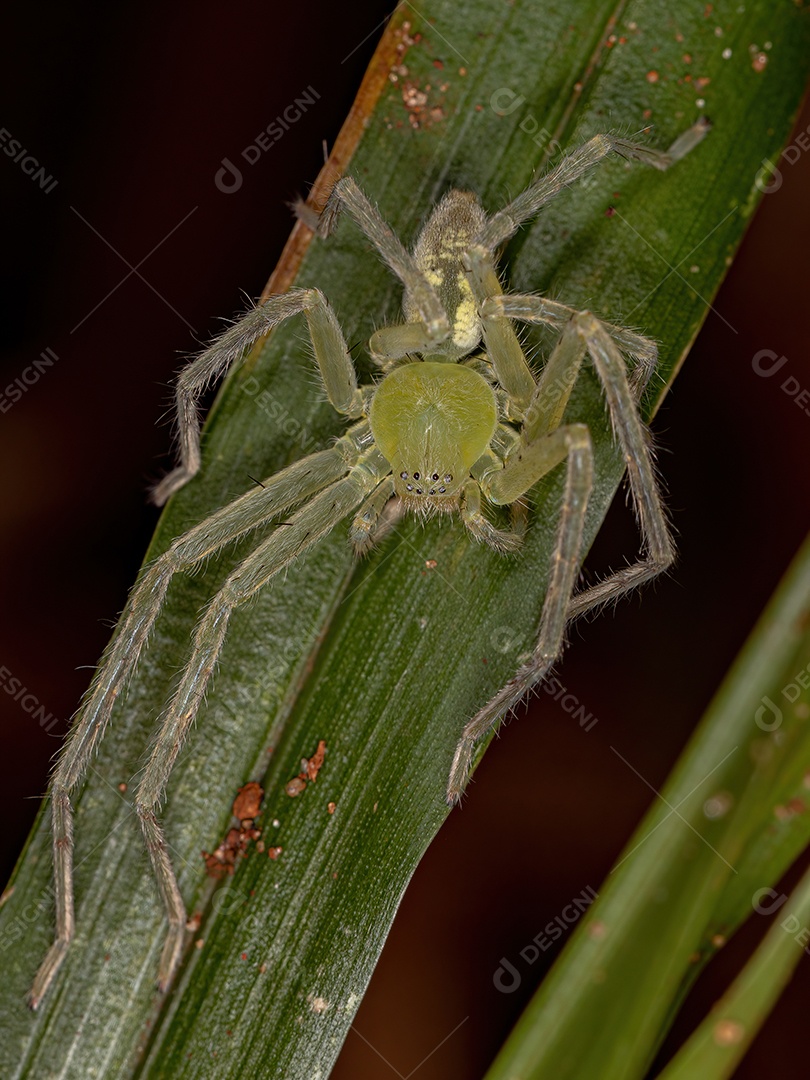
(132, 109)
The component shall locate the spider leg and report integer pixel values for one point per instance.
(256, 507)
(308, 525)
(347, 195)
(504, 224)
(585, 333)
(522, 470)
(482, 528)
(511, 368)
(334, 363)
(375, 518)
(542, 310)
(635, 442)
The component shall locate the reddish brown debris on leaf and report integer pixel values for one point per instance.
(248, 802)
(310, 767)
(422, 110)
(314, 763)
(221, 862)
(246, 807)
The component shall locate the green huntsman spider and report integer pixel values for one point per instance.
(449, 427)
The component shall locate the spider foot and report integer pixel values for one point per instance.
(170, 957)
(47, 973)
(171, 482)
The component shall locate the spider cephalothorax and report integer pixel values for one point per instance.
(432, 422)
(442, 430)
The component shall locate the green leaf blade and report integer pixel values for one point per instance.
(372, 659)
(656, 923)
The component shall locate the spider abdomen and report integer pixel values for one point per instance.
(447, 234)
(432, 421)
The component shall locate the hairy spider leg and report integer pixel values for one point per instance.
(376, 517)
(636, 445)
(256, 507)
(479, 524)
(412, 337)
(583, 335)
(521, 471)
(334, 362)
(501, 343)
(540, 309)
(308, 525)
(505, 223)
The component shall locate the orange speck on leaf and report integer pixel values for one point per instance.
(248, 801)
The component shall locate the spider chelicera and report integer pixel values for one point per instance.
(449, 427)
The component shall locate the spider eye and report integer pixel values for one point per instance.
(410, 487)
(442, 491)
(432, 491)
(448, 479)
(435, 476)
(404, 475)
(416, 476)
(418, 491)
